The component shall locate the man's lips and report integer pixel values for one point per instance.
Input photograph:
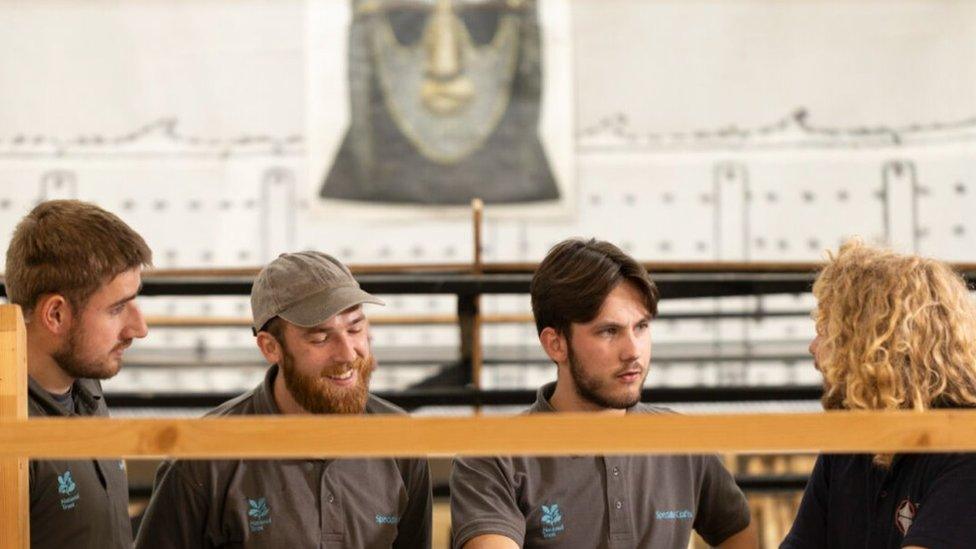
(630, 376)
(342, 379)
(118, 349)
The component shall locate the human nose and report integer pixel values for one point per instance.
(630, 346)
(345, 349)
(137, 327)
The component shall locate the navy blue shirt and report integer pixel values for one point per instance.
(923, 499)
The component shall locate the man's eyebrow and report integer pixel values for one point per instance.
(607, 324)
(614, 324)
(124, 300)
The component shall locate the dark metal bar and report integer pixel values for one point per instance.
(672, 285)
(464, 396)
(748, 483)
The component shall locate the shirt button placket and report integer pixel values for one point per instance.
(621, 522)
(333, 523)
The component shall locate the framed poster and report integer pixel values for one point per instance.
(415, 107)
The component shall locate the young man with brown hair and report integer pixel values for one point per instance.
(75, 270)
(310, 326)
(593, 306)
(893, 332)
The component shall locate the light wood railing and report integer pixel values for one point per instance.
(284, 437)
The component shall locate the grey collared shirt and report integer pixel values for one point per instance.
(77, 503)
(595, 501)
(347, 503)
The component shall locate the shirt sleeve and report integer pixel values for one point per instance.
(414, 528)
(484, 501)
(810, 526)
(722, 508)
(943, 517)
(177, 513)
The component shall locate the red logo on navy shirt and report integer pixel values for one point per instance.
(904, 515)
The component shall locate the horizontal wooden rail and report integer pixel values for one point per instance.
(376, 320)
(548, 434)
(522, 267)
(717, 267)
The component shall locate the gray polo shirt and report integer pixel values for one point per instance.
(300, 503)
(595, 501)
(77, 503)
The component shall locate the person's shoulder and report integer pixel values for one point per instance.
(92, 386)
(237, 406)
(946, 461)
(376, 405)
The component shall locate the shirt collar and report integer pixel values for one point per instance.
(87, 394)
(264, 402)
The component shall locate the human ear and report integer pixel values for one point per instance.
(554, 344)
(270, 348)
(54, 313)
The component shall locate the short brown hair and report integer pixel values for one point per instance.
(71, 248)
(576, 276)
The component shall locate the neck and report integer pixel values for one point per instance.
(282, 396)
(567, 399)
(43, 369)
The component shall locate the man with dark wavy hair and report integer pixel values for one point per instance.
(593, 306)
(894, 332)
(75, 270)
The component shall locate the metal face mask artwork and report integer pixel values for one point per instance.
(444, 101)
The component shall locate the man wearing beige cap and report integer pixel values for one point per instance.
(311, 327)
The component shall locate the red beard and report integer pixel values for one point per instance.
(318, 395)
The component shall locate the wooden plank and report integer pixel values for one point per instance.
(376, 320)
(14, 474)
(543, 434)
(477, 209)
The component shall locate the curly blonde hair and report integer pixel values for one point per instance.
(896, 332)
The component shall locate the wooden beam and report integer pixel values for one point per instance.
(375, 320)
(541, 434)
(477, 209)
(14, 474)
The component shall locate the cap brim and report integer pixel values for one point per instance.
(324, 305)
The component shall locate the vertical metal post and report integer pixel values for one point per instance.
(469, 308)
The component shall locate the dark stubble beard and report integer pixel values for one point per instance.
(68, 359)
(592, 389)
(316, 394)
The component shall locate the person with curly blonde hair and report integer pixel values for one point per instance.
(894, 332)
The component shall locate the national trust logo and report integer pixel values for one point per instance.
(904, 515)
(552, 521)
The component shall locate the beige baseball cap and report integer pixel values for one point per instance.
(306, 289)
